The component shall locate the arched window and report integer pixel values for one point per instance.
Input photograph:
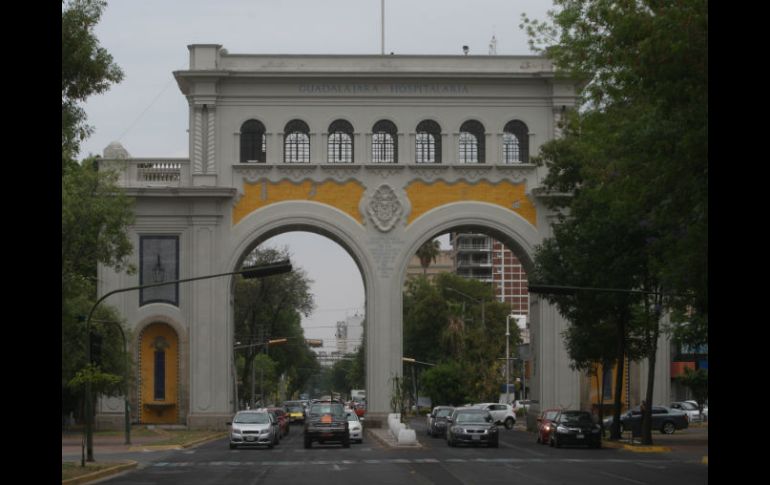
(340, 146)
(296, 145)
(252, 142)
(428, 142)
(384, 142)
(515, 142)
(471, 147)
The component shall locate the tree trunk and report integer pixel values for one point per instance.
(620, 358)
(652, 359)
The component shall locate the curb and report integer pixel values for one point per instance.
(635, 448)
(180, 446)
(101, 473)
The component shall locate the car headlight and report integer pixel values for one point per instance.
(492, 430)
(562, 429)
(236, 431)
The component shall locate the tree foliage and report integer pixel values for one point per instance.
(444, 327)
(271, 308)
(87, 69)
(634, 156)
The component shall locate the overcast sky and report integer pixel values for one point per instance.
(147, 114)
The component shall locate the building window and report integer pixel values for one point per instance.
(428, 142)
(253, 142)
(515, 142)
(471, 147)
(158, 262)
(384, 142)
(340, 146)
(297, 142)
(160, 376)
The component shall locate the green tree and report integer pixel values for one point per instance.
(428, 253)
(87, 69)
(637, 148)
(271, 308)
(442, 326)
(697, 381)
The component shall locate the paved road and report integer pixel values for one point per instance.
(519, 459)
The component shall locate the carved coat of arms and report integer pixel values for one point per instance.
(384, 208)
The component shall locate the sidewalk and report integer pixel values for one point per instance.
(112, 448)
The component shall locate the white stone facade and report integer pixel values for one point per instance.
(220, 208)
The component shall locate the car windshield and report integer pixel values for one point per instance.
(352, 416)
(294, 409)
(333, 409)
(472, 418)
(688, 406)
(251, 418)
(443, 413)
(578, 417)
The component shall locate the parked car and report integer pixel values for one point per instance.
(253, 427)
(573, 427)
(472, 426)
(437, 420)
(704, 411)
(502, 413)
(283, 420)
(665, 419)
(546, 426)
(326, 421)
(690, 409)
(523, 404)
(355, 427)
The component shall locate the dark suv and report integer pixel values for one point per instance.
(326, 421)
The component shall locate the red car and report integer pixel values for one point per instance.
(360, 409)
(546, 426)
(283, 420)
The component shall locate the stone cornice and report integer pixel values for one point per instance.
(190, 192)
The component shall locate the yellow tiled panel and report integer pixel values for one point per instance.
(167, 410)
(424, 196)
(343, 196)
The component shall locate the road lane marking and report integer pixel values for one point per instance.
(618, 477)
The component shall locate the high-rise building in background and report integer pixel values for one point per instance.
(481, 257)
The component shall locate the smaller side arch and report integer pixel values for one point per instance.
(160, 339)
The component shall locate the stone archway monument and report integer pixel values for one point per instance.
(380, 190)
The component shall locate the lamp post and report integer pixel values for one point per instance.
(507, 358)
(250, 272)
(483, 325)
(414, 380)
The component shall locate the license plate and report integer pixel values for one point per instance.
(475, 437)
(250, 438)
(580, 436)
(327, 435)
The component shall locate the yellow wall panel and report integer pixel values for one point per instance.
(343, 196)
(426, 196)
(164, 411)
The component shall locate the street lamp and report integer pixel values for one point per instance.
(414, 380)
(519, 318)
(260, 271)
(474, 299)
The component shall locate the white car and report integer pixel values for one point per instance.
(253, 427)
(705, 411)
(690, 409)
(502, 413)
(355, 428)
